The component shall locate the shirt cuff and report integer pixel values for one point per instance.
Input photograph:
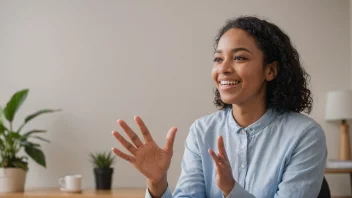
(238, 191)
(167, 193)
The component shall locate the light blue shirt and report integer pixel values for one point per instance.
(280, 156)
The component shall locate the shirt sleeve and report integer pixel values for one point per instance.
(191, 181)
(167, 194)
(304, 172)
(239, 191)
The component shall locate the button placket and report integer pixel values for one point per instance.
(242, 158)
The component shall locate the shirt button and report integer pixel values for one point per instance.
(243, 146)
(242, 165)
(243, 131)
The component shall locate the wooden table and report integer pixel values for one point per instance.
(340, 171)
(56, 193)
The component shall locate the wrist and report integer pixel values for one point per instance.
(157, 188)
(228, 190)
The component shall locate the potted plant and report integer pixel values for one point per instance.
(13, 166)
(102, 169)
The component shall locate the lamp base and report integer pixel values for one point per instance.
(345, 148)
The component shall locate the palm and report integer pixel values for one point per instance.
(152, 161)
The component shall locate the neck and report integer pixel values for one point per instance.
(247, 114)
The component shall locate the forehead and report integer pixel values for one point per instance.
(235, 38)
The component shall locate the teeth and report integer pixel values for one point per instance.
(223, 82)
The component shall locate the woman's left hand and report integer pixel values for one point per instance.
(224, 178)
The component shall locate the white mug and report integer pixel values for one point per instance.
(71, 182)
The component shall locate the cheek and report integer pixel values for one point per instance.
(214, 74)
(251, 76)
(245, 72)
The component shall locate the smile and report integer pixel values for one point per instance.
(235, 82)
(228, 85)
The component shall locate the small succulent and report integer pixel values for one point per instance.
(102, 159)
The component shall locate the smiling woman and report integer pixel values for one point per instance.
(265, 146)
(263, 46)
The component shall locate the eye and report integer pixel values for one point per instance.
(240, 58)
(217, 59)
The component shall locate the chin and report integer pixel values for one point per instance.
(230, 100)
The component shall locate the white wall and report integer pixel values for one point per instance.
(104, 60)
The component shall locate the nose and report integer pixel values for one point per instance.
(226, 67)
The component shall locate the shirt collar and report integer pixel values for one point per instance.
(255, 127)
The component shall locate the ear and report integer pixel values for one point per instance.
(271, 71)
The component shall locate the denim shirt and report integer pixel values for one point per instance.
(281, 155)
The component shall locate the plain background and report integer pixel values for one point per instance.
(106, 60)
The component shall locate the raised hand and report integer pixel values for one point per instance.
(151, 160)
(224, 178)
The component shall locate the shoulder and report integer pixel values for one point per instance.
(299, 125)
(210, 122)
(211, 119)
(297, 117)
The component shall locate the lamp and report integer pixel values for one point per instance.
(339, 108)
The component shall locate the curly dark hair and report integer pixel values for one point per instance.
(289, 90)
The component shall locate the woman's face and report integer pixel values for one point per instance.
(238, 71)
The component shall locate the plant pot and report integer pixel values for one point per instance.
(103, 178)
(12, 179)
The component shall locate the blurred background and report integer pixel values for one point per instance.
(100, 61)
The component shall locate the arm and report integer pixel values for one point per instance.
(304, 172)
(191, 182)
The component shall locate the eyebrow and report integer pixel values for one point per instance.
(234, 50)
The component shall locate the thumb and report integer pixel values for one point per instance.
(170, 138)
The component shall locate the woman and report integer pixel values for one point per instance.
(265, 146)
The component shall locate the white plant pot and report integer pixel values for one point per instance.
(12, 179)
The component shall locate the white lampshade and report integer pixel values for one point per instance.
(338, 105)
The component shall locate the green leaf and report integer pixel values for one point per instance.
(20, 164)
(2, 128)
(14, 104)
(30, 117)
(33, 115)
(2, 145)
(1, 119)
(26, 135)
(25, 143)
(36, 154)
(9, 140)
(14, 135)
(40, 138)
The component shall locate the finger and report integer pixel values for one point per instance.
(123, 155)
(125, 143)
(222, 161)
(170, 139)
(221, 148)
(132, 135)
(218, 160)
(144, 129)
(214, 156)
